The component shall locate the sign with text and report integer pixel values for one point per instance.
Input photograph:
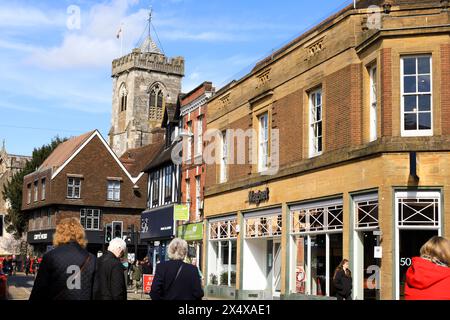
(181, 212)
(258, 197)
(191, 232)
(158, 224)
(147, 283)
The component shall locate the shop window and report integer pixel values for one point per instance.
(263, 227)
(366, 214)
(329, 217)
(418, 218)
(417, 110)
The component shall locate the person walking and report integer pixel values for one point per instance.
(66, 272)
(174, 279)
(428, 277)
(27, 265)
(342, 281)
(136, 275)
(146, 267)
(109, 281)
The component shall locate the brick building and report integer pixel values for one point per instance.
(346, 157)
(193, 118)
(83, 178)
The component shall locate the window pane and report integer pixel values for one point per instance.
(424, 84)
(424, 65)
(425, 121)
(318, 262)
(410, 121)
(409, 66)
(410, 84)
(425, 102)
(70, 192)
(410, 103)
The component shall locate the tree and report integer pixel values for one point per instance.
(15, 220)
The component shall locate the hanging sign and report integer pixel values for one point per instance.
(378, 252)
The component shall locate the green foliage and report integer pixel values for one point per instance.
(224, 278)
(15, 220)
(213, 279)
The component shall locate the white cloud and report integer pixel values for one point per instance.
(24, 16)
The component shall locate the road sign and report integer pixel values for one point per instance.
(147, 285)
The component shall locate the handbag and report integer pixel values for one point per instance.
(85, 262)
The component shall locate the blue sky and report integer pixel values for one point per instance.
(55, 78)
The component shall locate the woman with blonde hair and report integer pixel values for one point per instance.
(175, 279)
(67, 271)
(428, 278)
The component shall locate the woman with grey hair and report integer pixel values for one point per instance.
(174, 279)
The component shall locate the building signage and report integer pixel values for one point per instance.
(147, 280)
(191, 232)
(181, 212)
(157, 224)
(45, 236)
(258, 197)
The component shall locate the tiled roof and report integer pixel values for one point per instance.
(64, 151)
(135, 160)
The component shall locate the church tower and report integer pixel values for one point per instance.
(144, 81)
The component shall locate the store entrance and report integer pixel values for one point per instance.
(410, 242)
(276, 268)
(371, 269)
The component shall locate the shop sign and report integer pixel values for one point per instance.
(147, 280)
(378, 252)
(40, 236)
(258, 197)
(191, 232)
(158, 224)
(181, 212)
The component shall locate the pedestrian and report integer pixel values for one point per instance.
(109, 281)
(136, 276)
(342, 281)
(428, 277)
(174, 279)
(194, 263)
(13, 265)
(66, 272)
(27, 265)
(146, 267)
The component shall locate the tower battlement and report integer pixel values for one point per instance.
(148, 61)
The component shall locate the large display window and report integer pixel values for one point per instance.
(316, 246)
(417, 219)
(222, 248)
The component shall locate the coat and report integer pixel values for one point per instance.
(55, 269)
(426, 280)
(343, 284)
(186, 287)
(137, 273)
(109, 283)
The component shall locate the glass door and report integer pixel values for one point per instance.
(276, 281)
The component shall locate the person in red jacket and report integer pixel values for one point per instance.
(428, 278)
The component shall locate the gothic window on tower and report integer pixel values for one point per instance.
(123, 98)
(156, 103)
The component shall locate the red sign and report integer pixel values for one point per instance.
(148, 280)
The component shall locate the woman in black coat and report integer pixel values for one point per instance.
(174, 279)
(66, 272)
(342, 281)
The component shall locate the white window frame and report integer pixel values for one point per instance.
(73, 186)
(35, 190)
(29, 193)
(314, 121)
(224, 157)
(418, 132)
(96, 216)
(365, 200)
(113, 192)
(197, 197)
(199, 136)
(263, 142)
(438, 227)
(43, 184)
(189, 142)
(188, 194)
(373, 123)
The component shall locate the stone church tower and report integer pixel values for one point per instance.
(143, 82)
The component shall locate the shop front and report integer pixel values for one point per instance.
(193, 234)
(261, 267)
(157, 230)
(221, 257)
